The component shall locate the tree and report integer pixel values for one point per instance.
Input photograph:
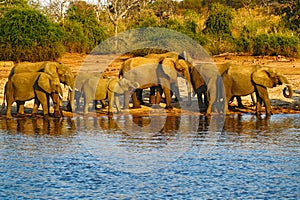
(28, 35)
(82, 27)
(117, 10)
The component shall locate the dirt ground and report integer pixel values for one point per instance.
(290, 67)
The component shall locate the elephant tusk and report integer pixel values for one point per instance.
(60, 96)
(69, 87)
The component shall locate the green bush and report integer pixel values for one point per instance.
(27, 35)
(83, 31)
(219, 21)
(265, 44)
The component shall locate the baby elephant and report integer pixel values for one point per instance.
(25, 86)
(106, 88)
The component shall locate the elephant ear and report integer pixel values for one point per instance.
(111, 84)
(262, 77)
(168, 66)
(44, 83)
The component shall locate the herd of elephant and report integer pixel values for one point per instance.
(215, 85)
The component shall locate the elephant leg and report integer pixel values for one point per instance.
(117, 102)
(87, 99)
(152, 95)
(165, 84)
(20, 108)
(175, 89)
(8, 109)
(135, 101)
(158, 96)
(56, 106)
(126, 99)
(110, 98)
(212, 94)
(264, 96)
(258, 103)
(42, 98)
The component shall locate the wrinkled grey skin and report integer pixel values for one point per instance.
(207, 83)
(151, 72)
(106, 88)
(23, 87)
(80, 79)
(242, 80)
(59, 72)
(183, 70)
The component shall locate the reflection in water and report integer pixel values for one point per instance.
(254, 158)
(31, 126)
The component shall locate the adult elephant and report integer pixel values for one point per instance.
(207, 84)
(150, 72)
(181, 60)
(241, 80)
(106, 88)
(59, 73)
(25, 86)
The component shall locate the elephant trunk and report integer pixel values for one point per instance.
(288, 90)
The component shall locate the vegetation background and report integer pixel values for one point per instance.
(35, 30)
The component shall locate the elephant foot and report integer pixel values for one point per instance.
(8, 117)
(169, 107)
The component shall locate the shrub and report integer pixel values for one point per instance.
(27, 35)
(276, 45)
(82, 28)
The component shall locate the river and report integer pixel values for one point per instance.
(163, 157)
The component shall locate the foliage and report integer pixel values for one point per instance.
(269, 27)
(27, 35)
(82, 28)
(272, 44)
(219, 21)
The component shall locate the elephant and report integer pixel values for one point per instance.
(80, 79)
(241, 80)
(59, 72)
(151, 72)
(182, 59)
(207, 84)
(106, 88)
(22, 87)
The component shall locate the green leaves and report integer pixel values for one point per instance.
(30, 36)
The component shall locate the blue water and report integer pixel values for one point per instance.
(65, 159)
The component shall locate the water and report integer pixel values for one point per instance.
(188, 157)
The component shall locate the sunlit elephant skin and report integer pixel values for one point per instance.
(149, 72)
(80, 79)
(181, 67)
(207, 84)
(106, 88)
(242, 80)
(59, 72)
(23, 87)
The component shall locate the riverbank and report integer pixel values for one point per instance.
(290, 67)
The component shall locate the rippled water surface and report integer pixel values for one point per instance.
(186, 157)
